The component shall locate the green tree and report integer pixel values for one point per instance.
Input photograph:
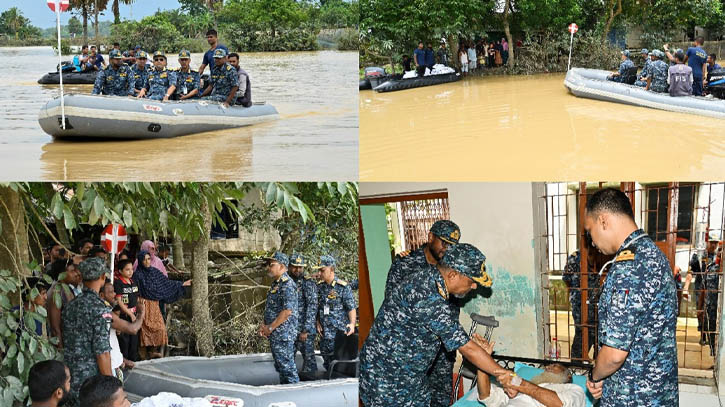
(117, 11)
(74, 26)
(13, 22)
(82, 8)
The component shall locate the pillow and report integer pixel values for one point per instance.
(528, 372)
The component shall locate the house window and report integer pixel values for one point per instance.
(656, 212)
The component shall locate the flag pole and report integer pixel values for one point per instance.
(60, 64)
(571, 44)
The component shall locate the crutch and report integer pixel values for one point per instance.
(490, 323)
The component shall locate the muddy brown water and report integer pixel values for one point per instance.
(528, 128)
(315, 139)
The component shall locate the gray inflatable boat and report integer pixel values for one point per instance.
(593, 84)
(130, 118)
(251, 378)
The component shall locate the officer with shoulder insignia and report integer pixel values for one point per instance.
(712, 286)
(307, 312)
(336, 308)
(187, 86)
(280, 318)
(442, 235)
(161, 82)
(116, 79)
(224, 80)
(637, 360)
(140, 72)
(657, 73)
(413, 323)
(626, 64)
(86, 328)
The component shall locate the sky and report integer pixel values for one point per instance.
(41, 16)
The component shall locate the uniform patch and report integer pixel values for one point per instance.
(342, 282)
(441, 291)
(625, 255)
(332, 295)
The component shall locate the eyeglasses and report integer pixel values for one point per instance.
(158, 59)
(142, 58)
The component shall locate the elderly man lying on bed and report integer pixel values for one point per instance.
(551, 388)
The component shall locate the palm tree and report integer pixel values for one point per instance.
(117, 12)
(82, 7)
(14, 20)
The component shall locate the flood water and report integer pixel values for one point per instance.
(528, 128)
(316, 137)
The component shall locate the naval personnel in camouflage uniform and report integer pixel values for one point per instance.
(161, 83)
(626, 64)
(282, 296)
(223, 79)
(712, 285)
(187, 80)
(307, 311)
(411, 325)
(658, 71)
(116, 79)
(572, 278)
(334, 307)
(441, 373)
(638, 314)
(86, 328)
(642, 77)
(140, 75)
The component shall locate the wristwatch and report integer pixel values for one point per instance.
(591, 377)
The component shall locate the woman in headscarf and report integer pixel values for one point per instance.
(153, 287)
(150, 247)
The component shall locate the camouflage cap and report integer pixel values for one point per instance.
(137, 47)
(220, 53)
(184, 54)
(626, 53)
(447, 231)
(644, 51)
(114, 54)
(469, 261)
(142, 55)
(279, 257)
(326, 261)
(297, 260)
(657, 53)
(159, 54)
(93, 268)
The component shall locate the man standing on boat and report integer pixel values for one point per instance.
(280, 318)
(419, 59)
(244, 94)
(443, 54)
(140, 72)
(116, 79)
(307, 312)
(224, 80)
(187, 79)
(336, 308)
(213, 40)
(161, 82)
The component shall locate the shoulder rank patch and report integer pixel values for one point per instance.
(229, 67)
(441, 291)
(284, 279)
(625, 255)
(342, 282)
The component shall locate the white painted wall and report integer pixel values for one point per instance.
(498, 219)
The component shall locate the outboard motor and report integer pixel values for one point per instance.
(375, 75)
(716, 85)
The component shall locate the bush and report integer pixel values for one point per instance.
(550, 53)
(246, 39)
(153, 33)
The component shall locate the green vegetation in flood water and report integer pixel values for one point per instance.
(390, 30)
(244, 25)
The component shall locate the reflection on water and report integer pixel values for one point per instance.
(316, 137)
(529, 128)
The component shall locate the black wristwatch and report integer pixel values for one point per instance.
(591, 377)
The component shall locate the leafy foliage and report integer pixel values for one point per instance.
(20, 346)
(13, 23)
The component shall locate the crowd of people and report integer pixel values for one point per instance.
(299, 307)
(408, 357)
(100, 322)
(130, 74)
(679, 73)
(472, 55)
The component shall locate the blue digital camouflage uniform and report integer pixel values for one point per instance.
(307, 312)
(223, 78)
(638, 314)
(187, 82)
(642, 77)
(626, 64)
(117, 82)
(159, 82)
(282, 295)
(658, 71)
(140, 77)
(712, 285)
(335, 301)
(86, 324)
(572, 277)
